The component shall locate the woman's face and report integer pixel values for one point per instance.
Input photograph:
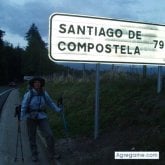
(37, 85)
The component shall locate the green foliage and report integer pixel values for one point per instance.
(17, 62)
(78, 102)
(36, 60)
(36, 53)
(10, 61)
(129, 105)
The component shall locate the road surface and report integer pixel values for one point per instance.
(8, 136)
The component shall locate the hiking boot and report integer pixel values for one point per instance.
(52, 162)
(57, 156)
(35, 158)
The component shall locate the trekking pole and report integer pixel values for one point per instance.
(61, 105)
(19, 135)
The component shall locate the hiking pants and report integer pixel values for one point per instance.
(43, 125)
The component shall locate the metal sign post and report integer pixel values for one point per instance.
(97, 103)
(159, 80)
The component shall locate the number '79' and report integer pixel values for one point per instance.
(158, 44)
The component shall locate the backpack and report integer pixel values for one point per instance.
(31, 96)
(18, 107)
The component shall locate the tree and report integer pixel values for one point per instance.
(35, 51)
(3, 60)
(36, 61)
(14, 58)
(1, 37)
(10, 61)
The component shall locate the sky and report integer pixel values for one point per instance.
(16, 16)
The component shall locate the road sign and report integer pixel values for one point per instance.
(79, 38)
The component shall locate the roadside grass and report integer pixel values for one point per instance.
(124, 104)
(78, 107)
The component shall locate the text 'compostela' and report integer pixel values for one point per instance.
(109, 46)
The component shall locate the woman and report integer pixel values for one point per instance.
(33, 110)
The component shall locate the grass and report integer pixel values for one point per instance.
(78, 106)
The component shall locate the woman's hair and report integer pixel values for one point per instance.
(40, 79)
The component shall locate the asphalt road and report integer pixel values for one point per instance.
(3, 96)
(3, 88)
(8, 136)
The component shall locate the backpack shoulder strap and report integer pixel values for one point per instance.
(30, 98)
(31, 95)
(44, 96)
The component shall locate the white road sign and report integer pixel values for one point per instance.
(79, 38)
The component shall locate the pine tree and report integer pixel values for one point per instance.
(36, 60)
(35, 52)
(3, 60)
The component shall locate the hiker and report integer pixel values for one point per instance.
(33, 111)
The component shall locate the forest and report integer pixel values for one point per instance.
(16, 62)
